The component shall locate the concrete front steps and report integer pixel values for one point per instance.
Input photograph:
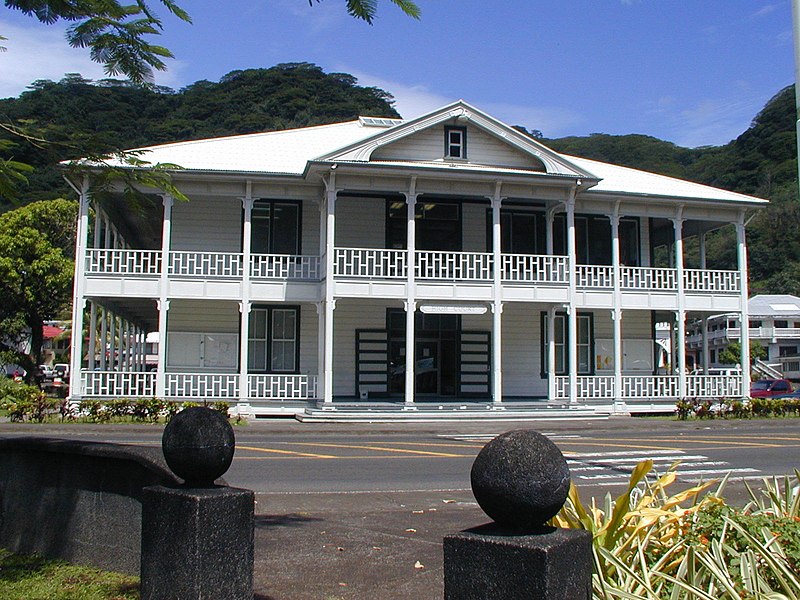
(431, 412)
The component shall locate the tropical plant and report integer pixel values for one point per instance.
(650, 544)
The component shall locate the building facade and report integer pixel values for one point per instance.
(443, 260)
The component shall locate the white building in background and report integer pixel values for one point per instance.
(439, 261)
(774, 321)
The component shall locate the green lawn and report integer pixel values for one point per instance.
(35, 578)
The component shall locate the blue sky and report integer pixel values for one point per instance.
(694, 72)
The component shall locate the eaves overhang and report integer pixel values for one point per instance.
(324, 167)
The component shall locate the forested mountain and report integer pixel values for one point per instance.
(76, 117)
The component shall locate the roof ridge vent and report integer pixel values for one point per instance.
(378, 122)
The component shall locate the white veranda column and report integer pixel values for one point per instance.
(79, 295)
(163, 299)
(744, 319)
(497, 305)
(572, 314)
(410, 303)
(680, 314)
(330, 302)
(243, 407)
(616, 313)
(551, 353)
(705, 344)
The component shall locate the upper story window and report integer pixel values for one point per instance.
(455, 142)
(275, 227)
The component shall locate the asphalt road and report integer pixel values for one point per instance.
(347, 512)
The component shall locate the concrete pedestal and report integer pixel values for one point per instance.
(498, 562)
(197, 543)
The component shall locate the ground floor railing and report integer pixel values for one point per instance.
(283, 387)
(202, 385)
(108, 384)
(636, 387)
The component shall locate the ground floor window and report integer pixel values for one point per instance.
(273, 341)
(585, 343)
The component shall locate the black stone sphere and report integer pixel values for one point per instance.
(198, 445)
(520, 479)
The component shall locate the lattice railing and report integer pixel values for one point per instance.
(109, 384)
(534, 268)
(476, 266)
(205, 264)
(284, 266)
(369, 262)
(648, 278)
(719, 282)
(649, 386)
(713, 386)
(101, 261)
(202, 385)
(283, 387)
(594, 276)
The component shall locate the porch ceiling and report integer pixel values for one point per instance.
(140, 311)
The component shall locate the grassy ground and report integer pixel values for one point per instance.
(34, 578)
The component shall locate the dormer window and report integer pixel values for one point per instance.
(455, 142)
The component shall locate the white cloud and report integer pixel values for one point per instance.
(42, 52)
(413, 100)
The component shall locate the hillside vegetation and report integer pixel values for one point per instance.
(77, 117)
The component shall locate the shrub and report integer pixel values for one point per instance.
(25, 402)
(651, 545)
(221, 407)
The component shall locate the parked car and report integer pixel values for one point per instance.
(770, 388)
(61, 370)
(46, 372)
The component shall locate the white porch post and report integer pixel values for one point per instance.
(79, 295)
(680, 314)
(410, 303)
(497, 305)
(243, 407)
(104, 340)
(704, 338)
(744, 328)
(551, 353)
(92, 333)
(703, 250)
(330, 302)
(550, 217)
(616, 313)
(572, 314)
(163, 297)
(112, 343)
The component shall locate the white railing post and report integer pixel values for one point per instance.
(616, 313)
(330, 228)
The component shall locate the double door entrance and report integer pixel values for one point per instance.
(435, 367)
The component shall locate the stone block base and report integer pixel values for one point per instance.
(197, 543)
(495, 562)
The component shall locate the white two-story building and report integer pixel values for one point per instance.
(445, 261)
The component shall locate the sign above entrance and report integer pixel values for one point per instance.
(452, 309)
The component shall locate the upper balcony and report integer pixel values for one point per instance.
(360, 271)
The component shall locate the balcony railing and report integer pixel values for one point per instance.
(382, 263)
(594, 276)
(202, 385)
(101, 261)
(648, 278)
(454, 266)
(704, 280)
(284, 266)
(370, 263)
(533, 268)
(205, 264)
(283, 387)
(109, 384)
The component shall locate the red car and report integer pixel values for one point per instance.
(768, 388)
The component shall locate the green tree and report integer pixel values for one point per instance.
(732, 354)
(35, 276)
